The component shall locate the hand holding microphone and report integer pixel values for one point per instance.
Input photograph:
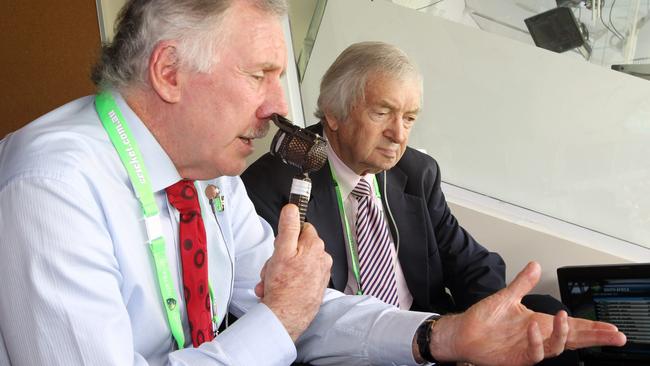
(299, 267)
(302, 149)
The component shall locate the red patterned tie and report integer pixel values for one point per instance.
(194, 257)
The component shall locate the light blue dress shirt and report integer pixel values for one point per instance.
(78, 286)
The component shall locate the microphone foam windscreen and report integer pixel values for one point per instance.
(297, 146)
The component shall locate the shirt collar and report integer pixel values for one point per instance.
(345, 177)
(162, 171)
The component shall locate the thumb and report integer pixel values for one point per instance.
(286, 242)
(259, 288)
(525, 281)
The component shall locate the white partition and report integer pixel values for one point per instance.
(558, 136)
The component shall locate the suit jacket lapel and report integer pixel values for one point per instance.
(323, 213)
(408, 212)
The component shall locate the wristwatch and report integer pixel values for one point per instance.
(423, 338)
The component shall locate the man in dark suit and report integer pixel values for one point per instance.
(367, 136)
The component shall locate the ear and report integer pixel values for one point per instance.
(331, 122)
(164, 71)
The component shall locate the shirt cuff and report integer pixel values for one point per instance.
(392, 337)
(258, 338)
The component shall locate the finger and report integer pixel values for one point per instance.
(559, 335)
(259, 289)
(327, 267)
(595, 337)
(309, 238)
(535, 343)
(586, 333)
(578, 323)
(286, 241)
(327, 259)
(524, 282)
(263, 271)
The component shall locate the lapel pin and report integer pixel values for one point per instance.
(216, 199)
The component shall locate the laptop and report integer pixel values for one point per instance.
(617, 294)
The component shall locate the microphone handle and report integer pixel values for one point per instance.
(300, 193)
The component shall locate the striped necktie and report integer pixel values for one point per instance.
(377, 271)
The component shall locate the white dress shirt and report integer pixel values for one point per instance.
(78, 283)
(347, 180)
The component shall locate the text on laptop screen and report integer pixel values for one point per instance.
(615, 294)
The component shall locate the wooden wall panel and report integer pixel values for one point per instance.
(46, 51)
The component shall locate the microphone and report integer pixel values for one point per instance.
(302, 149)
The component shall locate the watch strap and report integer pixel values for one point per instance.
(423, 338)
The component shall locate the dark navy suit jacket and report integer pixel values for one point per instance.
(435, 252)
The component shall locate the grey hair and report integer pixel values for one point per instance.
(142, 24)
(344, 82)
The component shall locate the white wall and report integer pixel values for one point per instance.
(300, 15)
(107, 11)
(520, 236)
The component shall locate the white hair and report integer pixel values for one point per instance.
(344, 82)
(142, 24)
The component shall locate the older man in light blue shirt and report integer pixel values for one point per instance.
(85, 270)
(195, 82)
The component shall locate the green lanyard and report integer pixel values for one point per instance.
(120, 135)
(352, 245)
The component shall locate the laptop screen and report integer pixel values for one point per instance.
(617, 294)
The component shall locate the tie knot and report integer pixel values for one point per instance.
(182, 195)
(362, 189)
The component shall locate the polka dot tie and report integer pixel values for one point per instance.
(194, 258)
(376, 267)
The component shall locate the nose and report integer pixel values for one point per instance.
(396, 131)
(274, 102)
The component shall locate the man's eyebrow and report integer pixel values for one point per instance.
(386, 104)
(414, 111)
(267, 66)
